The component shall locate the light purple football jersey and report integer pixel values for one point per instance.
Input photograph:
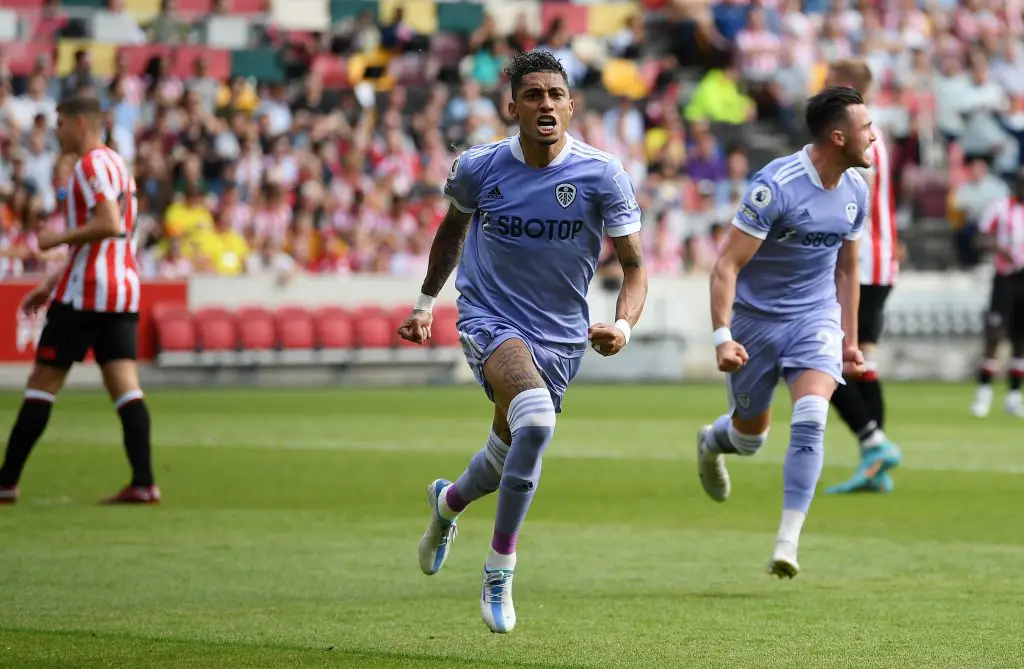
(536, 234)
(802, 226)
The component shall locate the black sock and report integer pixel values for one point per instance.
(135, 425)
(851, 407)
(28, 427)
(1016, 376)
(871, 391)
(985, 374)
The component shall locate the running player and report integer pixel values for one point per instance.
(784, 296)
(94, 303)
(1002, 227)
(859, 402)
(532, 211)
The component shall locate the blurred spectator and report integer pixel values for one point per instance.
(719, 99)
(969, 201)
(334, 163)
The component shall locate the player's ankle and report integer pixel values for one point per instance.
(873, 439)
(450, 504)
(498, 560)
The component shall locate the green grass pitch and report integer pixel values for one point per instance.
(289, 529)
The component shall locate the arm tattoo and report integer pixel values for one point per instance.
(446, 250)
(630, 250)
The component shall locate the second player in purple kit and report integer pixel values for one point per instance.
(784, 296)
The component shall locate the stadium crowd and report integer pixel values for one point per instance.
(245, 176)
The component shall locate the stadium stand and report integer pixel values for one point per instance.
(311, 136)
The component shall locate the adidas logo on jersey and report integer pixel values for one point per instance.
(494, 194)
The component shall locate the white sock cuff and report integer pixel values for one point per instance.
(39, 395)
(129, 396)
(810, 409)
(496, 451)
(1017, 364)
(746, 444)
(531, 408)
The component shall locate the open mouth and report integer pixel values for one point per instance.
(546, 124)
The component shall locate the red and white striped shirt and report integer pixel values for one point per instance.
(878, 260)
(1004, 220)
(101, 276)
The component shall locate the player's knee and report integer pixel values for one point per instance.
(120, 377)
(807, 426)
(47, 378)
(496, 452)
(747, 444)
(531, 418)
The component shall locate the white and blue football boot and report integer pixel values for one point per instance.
(440, 534)
(496, 606)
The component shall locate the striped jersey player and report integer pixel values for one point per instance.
(94, 303)
(1002, 228)
(101, 275)
(859, 402)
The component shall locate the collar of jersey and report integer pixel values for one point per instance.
(517, 150)
(812, 171)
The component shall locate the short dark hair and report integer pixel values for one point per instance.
(80, 105)
(828, 109)
(529, 62)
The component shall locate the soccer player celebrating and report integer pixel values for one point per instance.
(859, 401)
(531, 211)
(784, 296)
(95, 303)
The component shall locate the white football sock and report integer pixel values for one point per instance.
(792, 525)
(496, 560)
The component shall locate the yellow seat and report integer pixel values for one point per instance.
(142, 10)
(608, 19)
(622, 77)
(103, 56)
(421, 15)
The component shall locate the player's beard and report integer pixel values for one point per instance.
(860, 159)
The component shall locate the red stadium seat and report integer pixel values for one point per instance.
(204, 313)
(137, 57)
(333, 329)
(175, 341)
(175, 310)
(443, 332)
(248, 6)
(215, 329)
(372, 328)
(575, 18)
(22, 56)
(175, 334)
(295, 331)
(183, 62)
(332, 70)
(255, 329)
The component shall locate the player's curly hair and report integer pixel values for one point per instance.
(529, 62)
(827, 109)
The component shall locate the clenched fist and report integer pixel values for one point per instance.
(416, 327)
(606, 339)
(731, 356)
(853, 362)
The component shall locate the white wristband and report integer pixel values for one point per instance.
(622, 325)
(424, 303)
(721, 336)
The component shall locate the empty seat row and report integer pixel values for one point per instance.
(289, 335)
